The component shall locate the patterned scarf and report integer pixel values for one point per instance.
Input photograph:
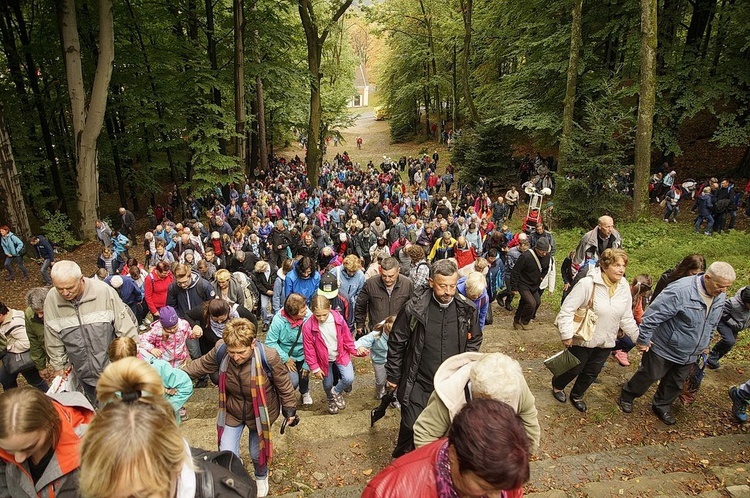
(258, 379)
(443, 480)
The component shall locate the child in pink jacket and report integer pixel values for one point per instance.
(166, 339)
(328, 344)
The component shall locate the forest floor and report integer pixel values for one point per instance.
(335, 455)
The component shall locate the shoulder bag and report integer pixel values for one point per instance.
(15, 363)
(586, 319)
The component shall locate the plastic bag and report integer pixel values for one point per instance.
(67, 382)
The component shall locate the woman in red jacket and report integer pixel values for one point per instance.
(155, 287)
(486, 454)
(39, 440)
(328, 344)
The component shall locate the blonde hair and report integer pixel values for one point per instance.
(386, 325)
(261, 266)
(134, 439)
(610, 256)
(27, 409)
(122, 347)
(352, 263)
(239, 332)
(319, 302)
(223, 275)
(475, 284)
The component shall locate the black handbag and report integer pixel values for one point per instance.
(16, 363)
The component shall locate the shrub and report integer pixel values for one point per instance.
(58, 231)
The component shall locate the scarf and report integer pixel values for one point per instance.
(218, 328)
(258, 380)
(443, 480)
(611, 286)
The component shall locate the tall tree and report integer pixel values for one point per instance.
(315, 40)
(87, 120)
(467, 10)
(240, 112)
(646, 100)
(570, 89)
(10, 184)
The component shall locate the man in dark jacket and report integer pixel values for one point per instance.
(433, 326)
(279, 239)
(46, 253)
(526, 276)
(382, 296)
(128, 224)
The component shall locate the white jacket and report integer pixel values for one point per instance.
(614, 312)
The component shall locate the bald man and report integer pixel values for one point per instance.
(593, 243)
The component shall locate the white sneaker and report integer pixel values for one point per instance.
(307, 399)
(262, 485)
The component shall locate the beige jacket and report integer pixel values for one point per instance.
(17, 341)
(449, 397)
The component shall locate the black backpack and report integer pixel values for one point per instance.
(220, 474)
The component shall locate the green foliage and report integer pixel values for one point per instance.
(486, 151)
(57, 229)
(598, 155)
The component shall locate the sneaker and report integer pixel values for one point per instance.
(262, 484)
(621, 357)
(674, 220)
(666, 220)
(183, 414)
(339, 400)
(395, 404)
(333, 409)
(712, 363)
(307, 399)
(739, 405)
(142, 328)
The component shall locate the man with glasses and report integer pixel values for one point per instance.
(434, 326)
(81, 318)
(382, 296)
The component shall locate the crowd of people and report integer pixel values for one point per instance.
(261, 288)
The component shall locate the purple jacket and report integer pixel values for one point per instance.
(316, 351)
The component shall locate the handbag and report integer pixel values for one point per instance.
(16, 363)
(561, 362)
(586, 317)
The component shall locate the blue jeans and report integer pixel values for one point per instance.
(18, 260)
(44, 270)
(298, 380)
(709, 223)
(347, 378)
(230, 441)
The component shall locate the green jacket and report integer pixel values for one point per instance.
(35, 331)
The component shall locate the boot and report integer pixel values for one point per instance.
(712, 361)
(508, 306)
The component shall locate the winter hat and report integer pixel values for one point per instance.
(542, 244)
(116, 281)
(342, 237)
(329, 286)
(215, 235)
(168, 317)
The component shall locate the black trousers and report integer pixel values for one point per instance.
(527, 306)
(409, 414)
(728, 338)
(592, 362)
(653, 367)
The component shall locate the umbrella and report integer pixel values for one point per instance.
(379, 412)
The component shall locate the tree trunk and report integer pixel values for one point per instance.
(454, 84)
(315, 41)
(261, 117)
(702, 13)
(213, 59)
(240, 113)
(570, 89)
(467, 8)
(112, 134)
(87, 122)
(10, 185)
(646, 100)
(253, 139)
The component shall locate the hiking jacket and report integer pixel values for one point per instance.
(155, 289)
(279, 391)
(75, 413)
(450, 395)
(305, 286)
(279, 296)
(81, 334)
(482, 303)
(677, 324)
(590, 241)
(44, 249)
(316, 351)
(183, 300)
(413, 475)
(374, 302)
(235, 292)
(11, 244)
(614, 313)
(407, 337)
(264, 284)
(13, 330)
(129, 292)
(35, 332)
(285, 336)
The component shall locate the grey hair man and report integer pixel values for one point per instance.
(676, 328)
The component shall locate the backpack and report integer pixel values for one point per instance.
(221, 474)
